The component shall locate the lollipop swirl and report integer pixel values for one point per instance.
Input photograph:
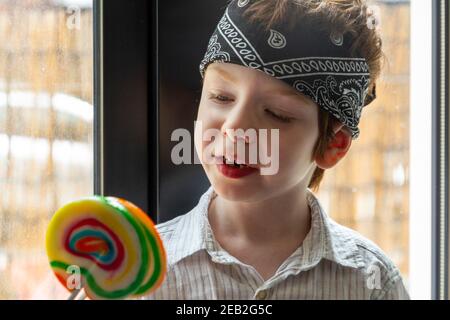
(115, 245)
(93, 240)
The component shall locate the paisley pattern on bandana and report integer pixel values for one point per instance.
(341, 99)
(333, 78)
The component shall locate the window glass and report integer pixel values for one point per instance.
(46, 132)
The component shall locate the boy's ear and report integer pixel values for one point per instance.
(337, 148)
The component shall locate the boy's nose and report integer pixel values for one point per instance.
(241, 116)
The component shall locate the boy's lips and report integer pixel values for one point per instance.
(231, 171)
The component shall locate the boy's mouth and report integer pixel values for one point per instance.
(234, 170)
(233, 163)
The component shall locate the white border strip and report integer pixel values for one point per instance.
(420, 150)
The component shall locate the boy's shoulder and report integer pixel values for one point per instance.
(181, 236)
(349, 247)
(341, 238)
(370, 254)
(168, 228)
(380, 273)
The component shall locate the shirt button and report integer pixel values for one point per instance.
(261, 295)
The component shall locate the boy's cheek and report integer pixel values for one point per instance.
(291, 156)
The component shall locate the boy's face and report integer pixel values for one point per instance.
(237, 97)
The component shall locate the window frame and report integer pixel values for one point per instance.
(440, 140)
(125, 137)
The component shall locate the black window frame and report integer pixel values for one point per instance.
(125, 101)
(440, 140)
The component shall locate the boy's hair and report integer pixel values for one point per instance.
(344, 16)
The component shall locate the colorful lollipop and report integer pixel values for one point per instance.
(112, 243)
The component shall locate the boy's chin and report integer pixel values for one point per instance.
(247, 191)
(233, 192)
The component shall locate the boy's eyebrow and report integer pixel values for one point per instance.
(287, 92)
(225, 75)
(284, 91)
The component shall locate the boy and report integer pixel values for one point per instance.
(302, 70)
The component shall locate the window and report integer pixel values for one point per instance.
(55, 146)
(396, 196)
(369, 190)
(46, 132)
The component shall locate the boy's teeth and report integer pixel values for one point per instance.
(239, 165)
(234, 164)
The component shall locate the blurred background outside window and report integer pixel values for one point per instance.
(46, 132)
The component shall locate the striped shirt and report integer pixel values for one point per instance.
(333, 262)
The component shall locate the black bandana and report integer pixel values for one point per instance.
(315, 62)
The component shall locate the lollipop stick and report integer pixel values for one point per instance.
(77, 294)
(82, 296)
(74, 294)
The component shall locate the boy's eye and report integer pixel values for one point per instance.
(222, 98)
(219, 97)
(279, 117)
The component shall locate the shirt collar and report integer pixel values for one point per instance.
(326, 239)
